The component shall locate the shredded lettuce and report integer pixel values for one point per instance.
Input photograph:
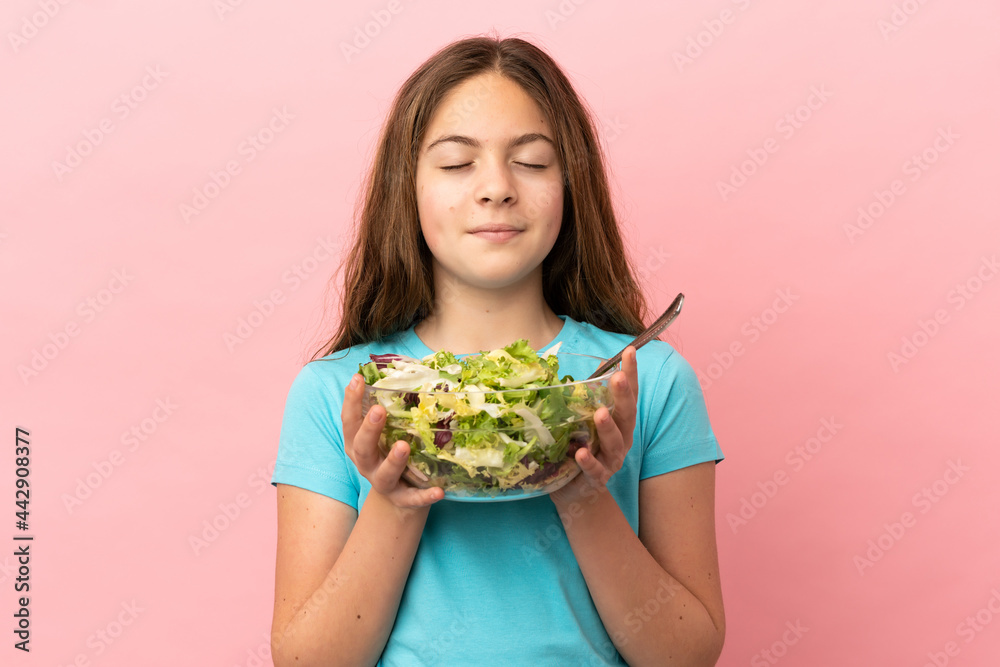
(489, 422)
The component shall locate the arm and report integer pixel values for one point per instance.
(658, 593)
(339, 577)
(339, 574)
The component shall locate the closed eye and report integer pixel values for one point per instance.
(523, 164)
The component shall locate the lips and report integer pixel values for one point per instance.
(494, 227)
(495, 232)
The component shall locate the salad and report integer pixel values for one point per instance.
(495, 423)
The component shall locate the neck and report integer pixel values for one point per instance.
(468, 319)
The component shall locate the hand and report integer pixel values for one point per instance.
(361, 435)
(615, 434)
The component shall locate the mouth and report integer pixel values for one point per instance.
(493, 231)
(494, 227)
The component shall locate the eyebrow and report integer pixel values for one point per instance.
(474, 143)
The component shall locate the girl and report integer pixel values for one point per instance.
(487, 218)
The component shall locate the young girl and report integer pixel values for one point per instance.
(487, 218)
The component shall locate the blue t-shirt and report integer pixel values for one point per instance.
(497, 583)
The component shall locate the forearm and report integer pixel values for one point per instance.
(652, 618)
(347, 620)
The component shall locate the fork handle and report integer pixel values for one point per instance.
(654, 330)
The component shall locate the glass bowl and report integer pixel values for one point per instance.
(456, 442)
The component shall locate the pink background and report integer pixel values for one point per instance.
(819, 375)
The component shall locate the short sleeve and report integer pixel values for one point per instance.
(311, 445)
(675, 428)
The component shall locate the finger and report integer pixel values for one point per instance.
(411, 496)
(364, 447)
(624, 400)
(386, 476)
(350, 411)
(631, 367)
(612, 448)
(592, 466)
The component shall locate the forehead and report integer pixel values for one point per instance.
(487, 107)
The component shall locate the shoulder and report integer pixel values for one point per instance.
(657, 360)
(335, 370)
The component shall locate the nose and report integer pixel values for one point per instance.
(495, 184)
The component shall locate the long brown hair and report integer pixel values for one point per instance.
(388, 284)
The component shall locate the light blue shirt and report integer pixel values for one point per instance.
(497, 583)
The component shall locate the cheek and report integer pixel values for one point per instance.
(550, 200)
(433, 199)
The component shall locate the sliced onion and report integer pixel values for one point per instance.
(410, 377)
(552, 350)
(534, 423)
(416, 471)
